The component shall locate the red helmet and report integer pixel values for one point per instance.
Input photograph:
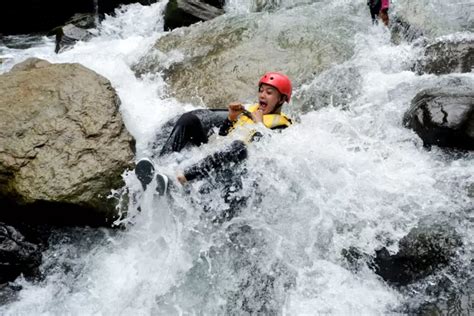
(279, 81)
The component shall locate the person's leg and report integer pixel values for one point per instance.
(375, 11)
(384, 16)
(374, 15)
(234, 153)
(191, 128)
(187, 130)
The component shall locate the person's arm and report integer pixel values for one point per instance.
(236, 152)
(235, 109)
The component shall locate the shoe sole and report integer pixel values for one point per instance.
(144, 170)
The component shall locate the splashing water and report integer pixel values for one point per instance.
(347, 174)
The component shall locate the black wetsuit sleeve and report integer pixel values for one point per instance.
(226, 127)
(234, 153)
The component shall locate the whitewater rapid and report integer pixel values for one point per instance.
(340, 177)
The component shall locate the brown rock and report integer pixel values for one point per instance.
(62, 138)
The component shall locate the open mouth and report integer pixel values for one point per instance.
(262, 104)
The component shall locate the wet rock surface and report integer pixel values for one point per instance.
(73, 31)
(445, 56)
(422, 253)
(63, 144)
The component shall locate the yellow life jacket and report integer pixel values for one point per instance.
(269, 120)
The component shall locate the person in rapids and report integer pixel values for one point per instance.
(224, 166)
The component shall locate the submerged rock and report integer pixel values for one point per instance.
(221, 60)
(443, 117)
(425, 250)
(16, 254)
(63, 145)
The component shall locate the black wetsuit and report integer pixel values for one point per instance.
(375, 6)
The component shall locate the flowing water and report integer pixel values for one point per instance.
(346, 174)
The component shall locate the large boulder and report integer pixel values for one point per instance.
(221, 60)
(443, 117)
(63, 144)
(445, 56)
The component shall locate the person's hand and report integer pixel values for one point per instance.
(257, 116)
(182, 179)
(235, 109)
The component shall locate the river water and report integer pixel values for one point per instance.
(342, 176)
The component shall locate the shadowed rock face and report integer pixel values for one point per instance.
(221, 60)
(62, 140)
(16, 254)
(443, 117)
(31, 16)
(179, 13)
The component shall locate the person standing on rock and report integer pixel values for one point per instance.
(193, 128)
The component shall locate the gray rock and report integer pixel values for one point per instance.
(68, 35)
(62, 140)
(447, 56)
(443, 117)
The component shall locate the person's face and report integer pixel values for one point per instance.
(268, 98)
